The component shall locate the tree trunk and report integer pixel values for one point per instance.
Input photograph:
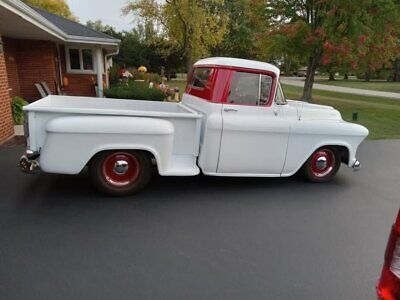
(367, 76)
(331, 76)
(312, 67)
(396, 69)
(189, 62)
(346, 76)
(287, 67)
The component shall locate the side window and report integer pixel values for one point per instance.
(250, 89)
(200, 77)
(265, 89)
(280, 97)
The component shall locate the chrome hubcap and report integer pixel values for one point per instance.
(322, 163)
(121, 167)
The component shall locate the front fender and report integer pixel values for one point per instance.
(72, 141)
(307, 136)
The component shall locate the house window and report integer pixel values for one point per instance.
(80, 60)
(87, 59)
(74, 59)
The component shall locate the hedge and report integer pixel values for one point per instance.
(134, 90)
(18, 115)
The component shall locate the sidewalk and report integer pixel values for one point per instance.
(294, 81)
(19, 130)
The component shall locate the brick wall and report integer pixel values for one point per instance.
(10, 56)
(35, 60)
(6, 122)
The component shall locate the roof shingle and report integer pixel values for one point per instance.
(71, 27)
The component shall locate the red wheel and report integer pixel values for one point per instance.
(120, 172)
(323, 165)
(120, 169)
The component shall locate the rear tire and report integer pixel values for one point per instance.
(322, 165)
(120, 173)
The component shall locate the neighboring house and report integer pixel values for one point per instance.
(38, 46)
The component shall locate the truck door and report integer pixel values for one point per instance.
(255, 134)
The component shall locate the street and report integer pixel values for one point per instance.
(299, 81)
(200, 237)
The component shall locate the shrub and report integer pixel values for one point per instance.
(139, 76)
(377, 75)
(153, 77)
(17, 104)
(113, 74)
(134, 90)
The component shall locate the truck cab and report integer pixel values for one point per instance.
(244, 130)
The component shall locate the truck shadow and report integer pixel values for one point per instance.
(50, 189)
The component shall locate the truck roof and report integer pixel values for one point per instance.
(237, 62)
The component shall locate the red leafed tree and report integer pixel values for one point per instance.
(331, 32)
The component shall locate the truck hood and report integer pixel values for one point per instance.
(310, 111)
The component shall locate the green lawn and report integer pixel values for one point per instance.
(380, 115)
(360, 84)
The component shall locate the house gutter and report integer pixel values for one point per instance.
(93, 40)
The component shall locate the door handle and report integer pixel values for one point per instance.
(230, 110)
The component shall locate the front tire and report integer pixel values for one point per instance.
(120, 173)
(322, 165)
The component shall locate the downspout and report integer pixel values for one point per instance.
(99, 62)
(105, 65)
(59, 67)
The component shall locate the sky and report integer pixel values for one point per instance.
(109, 11)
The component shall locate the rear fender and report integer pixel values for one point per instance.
(72, 141)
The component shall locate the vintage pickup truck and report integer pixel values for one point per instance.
(234, 120)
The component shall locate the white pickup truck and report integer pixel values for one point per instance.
(234, 120)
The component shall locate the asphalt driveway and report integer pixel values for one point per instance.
(198, 238)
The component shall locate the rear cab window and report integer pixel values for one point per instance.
(200, 82)
(200, 77)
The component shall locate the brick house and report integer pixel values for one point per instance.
(38, 46)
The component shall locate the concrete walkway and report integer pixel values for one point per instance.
(294, 81)
(19, 130)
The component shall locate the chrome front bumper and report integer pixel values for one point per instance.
(28, 162)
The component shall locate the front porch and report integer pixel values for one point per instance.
(73, 69)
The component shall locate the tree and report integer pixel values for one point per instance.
(194, 26)
(324, 32)
(107, 29)
(142, 46)
(380, 46)
(58, 7)
(238, 40)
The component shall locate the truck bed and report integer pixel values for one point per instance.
(185, 138)
(107, 106)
